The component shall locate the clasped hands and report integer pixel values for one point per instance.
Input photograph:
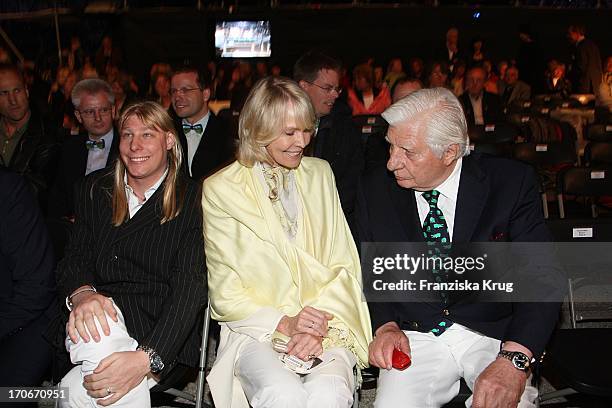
(306, 330)
(119, 372)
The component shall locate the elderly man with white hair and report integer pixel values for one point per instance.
(441, 193)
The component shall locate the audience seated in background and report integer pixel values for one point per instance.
(512, 89)
(395, 71)
(298, 239)
(93, 149)
(477, 55)
(404, 87)
(416, 68)
(134, 273)
(27, 285)
(438, 75)
(556, 82)
(363, 98)
(450, 53)
(492, 77)
(480, 107)
(457, 81)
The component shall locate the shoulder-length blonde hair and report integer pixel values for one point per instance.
(152, 115)
(265, 112)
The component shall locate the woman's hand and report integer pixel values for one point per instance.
(118, 373)
(308, 321)
(305, 346)
(81, 322)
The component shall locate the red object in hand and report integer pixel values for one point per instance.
(400, 360)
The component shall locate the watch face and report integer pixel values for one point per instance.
(520, 361)
(156, 364)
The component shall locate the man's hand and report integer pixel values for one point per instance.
(309, 320)
(81, 322)
(304, 346)
(120, 372)
(500, 385)
(388, 338)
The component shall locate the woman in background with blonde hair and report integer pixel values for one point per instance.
(133, 274)
(283, 270)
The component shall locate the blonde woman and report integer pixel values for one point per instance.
(281, 263)
(133, 271)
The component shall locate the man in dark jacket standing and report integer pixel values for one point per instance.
(586, 67)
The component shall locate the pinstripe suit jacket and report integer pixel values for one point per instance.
(154, 272)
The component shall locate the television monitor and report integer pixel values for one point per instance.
(243, 39)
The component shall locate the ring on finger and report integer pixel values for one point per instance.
(312, 323)
(311, 357)
(109, 390)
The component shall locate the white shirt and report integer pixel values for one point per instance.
(97, 158)
(134, 203)
(194, 138)
(477, 108)
(447, 201)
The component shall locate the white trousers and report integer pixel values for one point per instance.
(267, 383)
(438, 364)
(87, 356)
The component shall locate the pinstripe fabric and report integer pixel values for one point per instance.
(155, 273)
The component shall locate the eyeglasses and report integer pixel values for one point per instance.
(90, 113)
(182, 91)
(328, 89)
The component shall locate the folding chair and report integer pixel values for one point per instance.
(599, 133)
(578, 356)
(598, 153)
(587, 182)
(197, 399)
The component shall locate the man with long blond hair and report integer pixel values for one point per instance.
(133, 275)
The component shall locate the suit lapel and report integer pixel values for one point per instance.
(114, 150)
(471, 199)
(148, 215)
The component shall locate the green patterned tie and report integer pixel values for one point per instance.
(435, 232)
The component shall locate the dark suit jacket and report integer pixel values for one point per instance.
(154, 273)
(489, 205)
(72, 167)
(339, 142)
(587, 68)
(491, 108)
(216, 148)
(27, 279)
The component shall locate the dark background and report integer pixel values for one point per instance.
(353, 32)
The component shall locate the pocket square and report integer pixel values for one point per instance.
(498, 236)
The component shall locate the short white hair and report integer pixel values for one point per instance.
(440, 116)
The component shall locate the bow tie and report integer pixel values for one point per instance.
(92, 144)
(196, 128)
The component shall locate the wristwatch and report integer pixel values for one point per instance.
(155, 362)
(518, 359)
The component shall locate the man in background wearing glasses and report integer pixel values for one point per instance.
(205, 141)
(93, 149)
(336, 138)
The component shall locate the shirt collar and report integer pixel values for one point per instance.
(108, 138)
(450, 187)
(203, 121)
(150, 191)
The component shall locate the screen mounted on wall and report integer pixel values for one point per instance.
(243, 39)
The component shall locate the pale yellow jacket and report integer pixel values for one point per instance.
(256, 274)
